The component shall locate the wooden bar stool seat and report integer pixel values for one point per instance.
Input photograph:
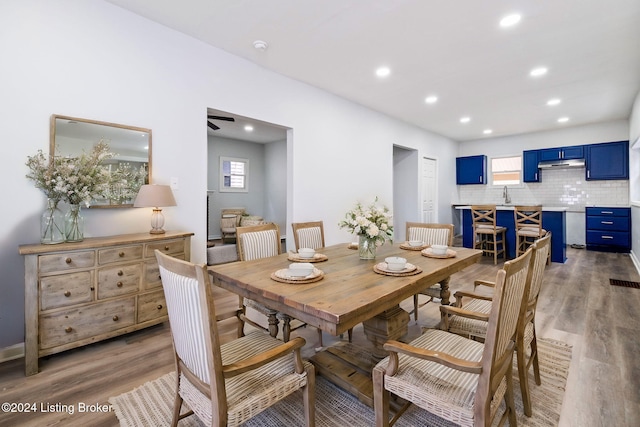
(487, 235)
(528, 220)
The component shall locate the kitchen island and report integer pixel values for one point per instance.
(553, 219)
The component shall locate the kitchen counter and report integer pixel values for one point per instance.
(553, 219)
(511, 208)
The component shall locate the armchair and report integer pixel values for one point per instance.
(225, 384)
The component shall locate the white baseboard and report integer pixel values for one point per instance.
(15, 351)
(635, 260)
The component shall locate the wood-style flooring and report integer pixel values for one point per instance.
(577, 305)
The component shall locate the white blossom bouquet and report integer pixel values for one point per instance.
(372, 222)
(46, 175)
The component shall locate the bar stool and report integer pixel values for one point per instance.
(528, 221)
(487, 235)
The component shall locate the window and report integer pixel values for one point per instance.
(506, 170)
(234, 175)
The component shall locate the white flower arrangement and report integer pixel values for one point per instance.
(372, 222)
(74, 180)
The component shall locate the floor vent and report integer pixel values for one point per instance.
(625, 283)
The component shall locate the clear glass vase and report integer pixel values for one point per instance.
(367, 247)
(74, 224)
(52, 224)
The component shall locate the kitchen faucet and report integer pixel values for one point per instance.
(505, 194)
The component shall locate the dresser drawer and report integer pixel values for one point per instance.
(608, 211)
(66, 289)
(608, 223)
(609, 238)
(122, 253)
(84, 322)
(152, 273)
(168, 247)
(120, 280)
(151, 306)
(66, 261)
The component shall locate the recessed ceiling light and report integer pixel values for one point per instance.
(465, 119)
(537, 72)
(248, 128)
(383, 72)
(431, 99)
(260, 45)
(563, 119)
(554, 101)
(487, 131)
(510, 20)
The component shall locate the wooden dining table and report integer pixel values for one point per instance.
(350, 291)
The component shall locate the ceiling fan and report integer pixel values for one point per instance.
(213, 126)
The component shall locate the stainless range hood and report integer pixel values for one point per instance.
(561, 164)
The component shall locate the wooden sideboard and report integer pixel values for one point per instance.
(84, 292)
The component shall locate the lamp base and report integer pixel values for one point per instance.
(157, 221)
(157, 231)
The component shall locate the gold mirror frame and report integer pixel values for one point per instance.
(70, 136)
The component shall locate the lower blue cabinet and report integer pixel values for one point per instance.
(608, 229)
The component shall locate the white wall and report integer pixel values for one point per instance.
(275, 186)
(94, 60)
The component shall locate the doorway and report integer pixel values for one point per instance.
(263, 148)
(406, 195)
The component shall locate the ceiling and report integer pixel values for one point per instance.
(455, 50)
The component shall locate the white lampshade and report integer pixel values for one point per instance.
(155, 196)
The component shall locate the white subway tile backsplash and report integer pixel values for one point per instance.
(559, 188)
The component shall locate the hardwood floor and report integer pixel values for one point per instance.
(577, 305)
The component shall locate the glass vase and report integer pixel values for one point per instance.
(52, 224)
(74, 224)
(367, 248)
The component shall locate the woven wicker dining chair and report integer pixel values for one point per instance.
(225, 385)
(468, 317)
(310, 234)
(262, 241)
(453, 377)
(429, 234)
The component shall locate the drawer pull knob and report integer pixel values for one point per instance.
(67, 294)
(92, 288)
(115, 318)
(120, 273)
(68, 260)
(68, 329)
(159, 306)
(121, 254)
(166, 248)
(119, 284)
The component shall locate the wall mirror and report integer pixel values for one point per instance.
(131, 165)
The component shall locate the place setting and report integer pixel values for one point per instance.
(438, 251)
(306, 255)
(414, 245)
(396, 266)
(298, 273)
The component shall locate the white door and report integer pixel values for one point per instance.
(429, 186)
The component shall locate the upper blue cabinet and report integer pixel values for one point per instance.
(608, 160)
(562, 153)
(530, 171)
(471, 170)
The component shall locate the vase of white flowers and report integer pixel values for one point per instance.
(43, 172)
(74, 180)
(372, 225)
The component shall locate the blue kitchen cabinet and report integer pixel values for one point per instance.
(562, 153)
(530, 171)
(471, 170)
(608, 229)
(609, 160)
(553, 221)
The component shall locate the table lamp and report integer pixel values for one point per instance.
(155, 196)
